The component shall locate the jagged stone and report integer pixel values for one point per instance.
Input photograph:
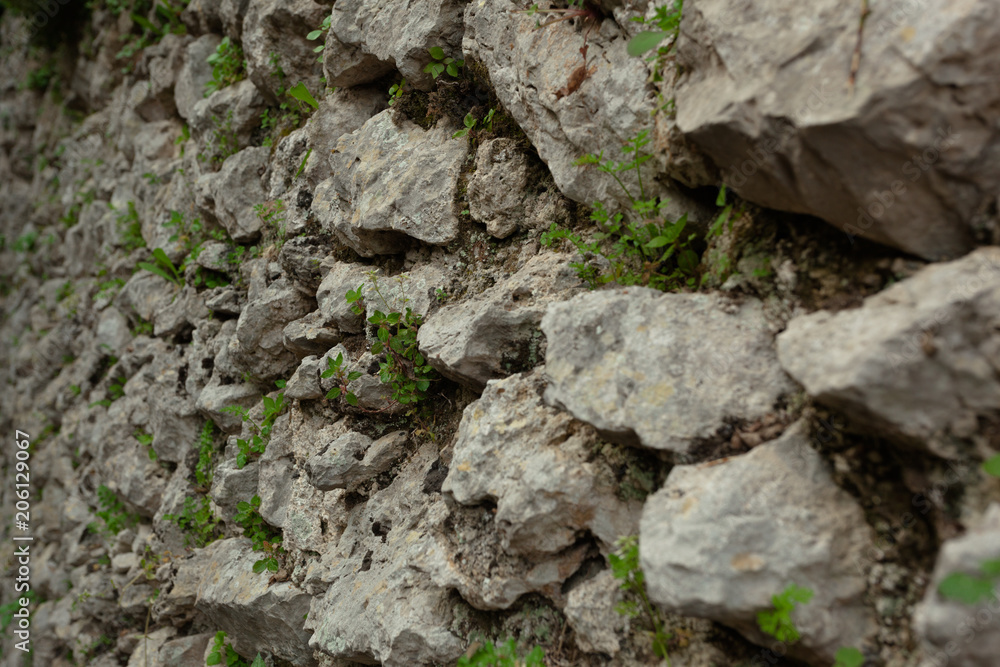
(304, 383)
(788, 130)
(306, 260)
(370, 38)
(332, 296)
(533, 461)
(611, 363)
(275, 29)
(391, 182)
(310, 335)
(590, 611)
(224, 121)
(718, 541)
(216, 397)
(231, 194)
(353, 459)
(917, 362)
(939, 620)
(154, 99)
(258, 346)
(485, 337)
(496, 189)
(194, 73)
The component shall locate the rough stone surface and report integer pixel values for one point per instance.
(717, 541)
(353, 458)
(231, 194)
(483, 338)
(276, 27)
(952, 629)
(194, 74)
(391, 182)
(779, 119)
(332, 296)
(590, 611)
(533, 461)
(258, 346)
(664, 388)
(370, 38)
(495, 190)
(917, 361)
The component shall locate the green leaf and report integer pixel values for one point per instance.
(991, 568)
(720, 200)
(659, 242)
(437, 53)
(453, 69)
(377, 348)
(383, 335)
(848, 656)
(965, 588)
(145, 23)
(258, 662)
(333, 393)
(259, 566)
(213, 658)
(152, 268)
(301, 93)
(351, 398)
(241, 461)
(315, 34)
(992, 466)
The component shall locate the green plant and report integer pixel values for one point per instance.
(223, 654)
(109, 288)
(644, 249)
(228, 66)
(625, 568)
(777, 621)
(318, 33)
(38, 78)
(404, 368)
(302, 94)
(65, 291)
(201, 527)
(142, 327)
(441, 63)
(146, 440)
(342, 378)
(262, 536)
(115, 391)
(848, 656)
(204, 470)
(504, 655)
(272, 215)
(113, 512)
(667, 21)
(163, 267)
(130, 229)
(260, 433)
(396, 91)
(25, 242)
(302, 166)
(223, 142)
(992, 465)
(74, 389)
(971, 589)
(470, 123)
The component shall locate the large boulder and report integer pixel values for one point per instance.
(391, 182)
(788, 130)
(720, 539)
(370, 38)
(666, 371)
(917, 362)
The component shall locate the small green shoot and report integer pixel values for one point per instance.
(992, 466)
(163, 267)
(504, 655)
(262, 536)
(396, 91)
(342, 379)
(302, 94)
(441, 64)
(971, 589)
(228, 66)
(848, 656)
(625, 568)
(777, 621)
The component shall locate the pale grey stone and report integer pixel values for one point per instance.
(279, 28)
(590, 611)
(231, 194)
(354, 459)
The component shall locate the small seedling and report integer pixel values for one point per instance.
(113, 511)
(228, 66)
(262, 536)
(469, 122)
(146, 440)
(223, 654)
(992, 466)
(668, 21)
(303, 165)
(302, 94)
(777, 621)
(342, 379)
(971, 589)
(318, 33)
(625, 568)
(848, 656)
(261, 433)
(396, 91)
(201, 527)
(163, 267)
(504, 655)
(355, 298)
(441, 64)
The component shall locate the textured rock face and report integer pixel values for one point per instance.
(258, 346)
(917, 361)
(474, 341)
(277, 27)
(391, 181)
(370, 38)
(664, 388)
(532, 459)
(231, 194)
(965, 635)
(719, 540)
(779, 119)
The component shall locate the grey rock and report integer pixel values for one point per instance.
(332, 296)
(370, 38)
(112, 329)
(214, 256)
(304, 383)
(305, 259)
(940, 621)
(310, 335)
(201, 16)
(916, 361)
(496, 190)
(611, 363)
(533, 461)
(189, 89)
(154, 99)
(258, 346)
(415, 289)
(483, 338)
(216, 397)
(225, 301)
(778, 119)
(375, 606)
(184, 311)
(224, 121)
(232, 13)
(719, 540)
(391, 182)
(231, 194)
(146, 653)
(146, 294)
(530, 70)
(232, 485)
(353, 459)
(368, 389)
(186, 651)
(590, 611)
(256, 615)
(280, 27)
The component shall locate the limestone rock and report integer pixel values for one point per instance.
(484, 337)
(332, 296)
(353, 459)
(717, 541)
(258, 347)
(778, 118)
(612, 363)
(391, 182)
(189, 89)
(310, 335)
(370, 38)
(231, 194)
(916, 361)
(939, 621)
(280, 27)
(224, 121)
(304, 383)
(533, 461)
(590, 611)
(496, 189)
